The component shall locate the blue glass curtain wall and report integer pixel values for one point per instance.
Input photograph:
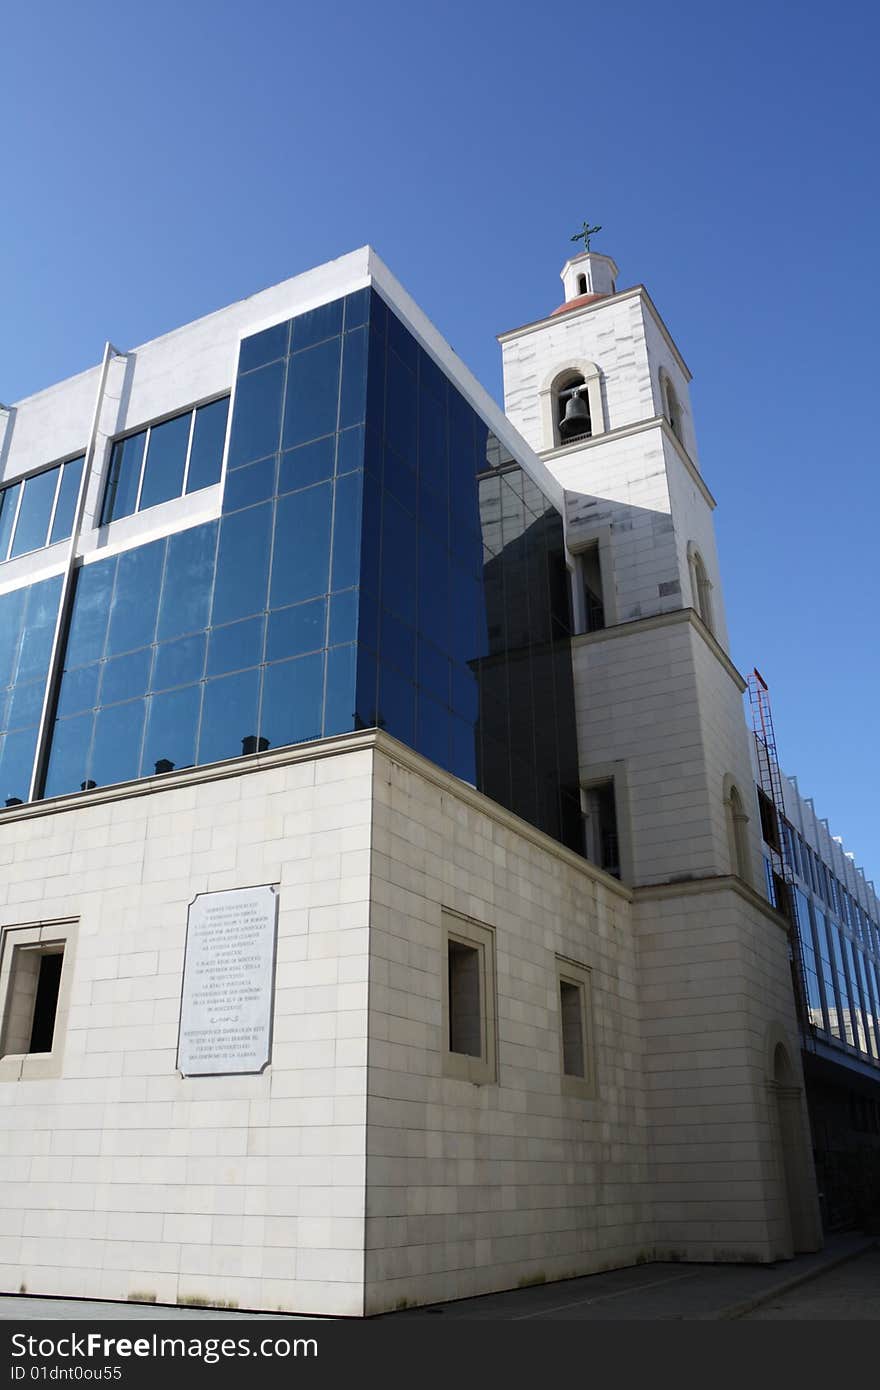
(378, 563)
(27, 629)
(39, 511)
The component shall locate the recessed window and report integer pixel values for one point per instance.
(594, 606)
(468, 999)
(575, 1029)
(32, 987)
(465, 1005)
(167, 460)
(600, 826)
(39, 510)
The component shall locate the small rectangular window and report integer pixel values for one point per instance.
(600, 826)
(468, 1000)
(34, 987)
(465, 1018)
(575, 1035)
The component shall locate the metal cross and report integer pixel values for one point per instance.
(585, 235)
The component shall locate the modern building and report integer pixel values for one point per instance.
(382, 903)
(836, 958)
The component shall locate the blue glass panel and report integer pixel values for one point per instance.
(65, 508)
(229, 717)
(357, 308)
(312, 393)
(367, 706)
(136, 598)
(318, 324)
(401, 341)
(433, 591)
(25, 704)
(116, 748)
(91, 609)
(301, 555)
(32, 529)
(347, 527)
(126, 676)
(400, 480)
(294, 631)
(396, 705)
(401, 410)
(8, 504)
(38, 630)
(264, 347)
(350, 450)
(466, 693)
(343, 617)
(339, 700)
(292, 700)
(434, 671)
(189, 579)
(463, 758)
(235, 647)
(11, 616)
(432, 734)
(125, 472)
(79, 690)
(256, 417)
(170, 737)
(166, 459)
(242, 565)
(371, 535)
(398, 645)
(353, 398)
(179, 663)
(379, 313)
(398, 560)
(69, 757)
(209, 436)
(310, 463)
(253, 483)
(16, 765)
(368, 622)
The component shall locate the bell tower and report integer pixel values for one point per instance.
(601, 391)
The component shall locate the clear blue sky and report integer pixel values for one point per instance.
(164, 159)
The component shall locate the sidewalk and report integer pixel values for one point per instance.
(652, 1292)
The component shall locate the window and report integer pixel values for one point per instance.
(468, 999)
(701, 589)
(575, 1031)
(594, 607)
(769, 821)
(582, 284)
(573, 409)
(34, 984)
(602, 845)
(167, 460)
(671, 408)
(40, 510)
(738, 831)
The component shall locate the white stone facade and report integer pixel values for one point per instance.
(360, 1171)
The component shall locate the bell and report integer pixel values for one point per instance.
(576, 419)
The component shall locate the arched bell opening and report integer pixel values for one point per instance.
(573, 417)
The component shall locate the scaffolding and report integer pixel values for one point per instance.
(779, 844)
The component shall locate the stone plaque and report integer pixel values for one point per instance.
(228, 977)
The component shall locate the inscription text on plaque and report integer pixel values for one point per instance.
(228, 972)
